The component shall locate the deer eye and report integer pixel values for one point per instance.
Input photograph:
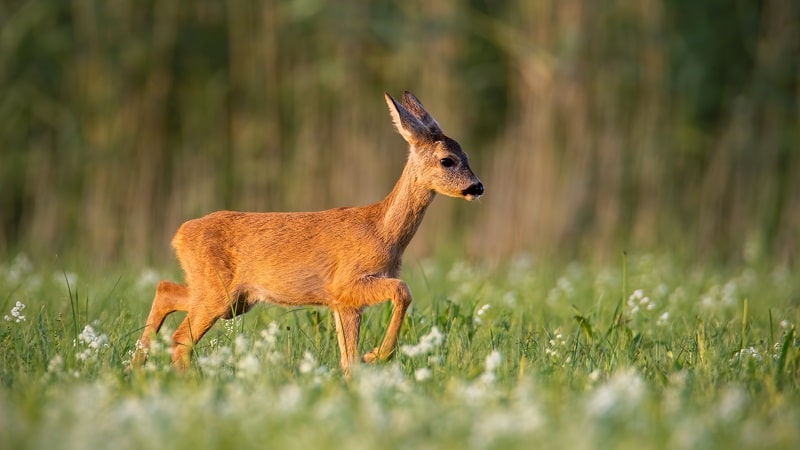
(447, 162)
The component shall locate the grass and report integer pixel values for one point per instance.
(649, 353)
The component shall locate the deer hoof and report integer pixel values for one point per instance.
(371, 357)
(376, 355)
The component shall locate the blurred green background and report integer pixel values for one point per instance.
(596, 126)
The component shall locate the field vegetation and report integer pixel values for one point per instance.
(667, 128)
(646, 353)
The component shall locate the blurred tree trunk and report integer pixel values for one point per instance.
(596, 127)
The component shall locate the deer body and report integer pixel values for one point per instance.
(343, 258)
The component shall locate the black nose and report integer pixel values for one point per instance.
(476, 189)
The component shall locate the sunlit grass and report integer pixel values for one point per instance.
(648, 353)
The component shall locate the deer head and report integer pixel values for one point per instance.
(438, 161)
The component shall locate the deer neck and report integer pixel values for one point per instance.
(403, 209)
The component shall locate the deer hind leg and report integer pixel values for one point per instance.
(377, 290)
(348, 328)
(170, 297)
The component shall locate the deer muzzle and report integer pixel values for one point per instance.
(474, 191)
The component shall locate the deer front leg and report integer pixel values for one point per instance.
(348, 327)
(381, 289)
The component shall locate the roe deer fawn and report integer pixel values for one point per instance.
(344, 258)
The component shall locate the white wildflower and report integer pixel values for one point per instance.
(374, 381)
(231, 325)
(707, 301)
(56, 364)
(460, 272)
(720, 296)
(267, 346)
(493, 361)
(131, 353)
(427, 344)
(519, 418)
(638, 300)
(84, 355)
(147, 279)
(217, 361)
(622, 392)
(491, 364)
(92, 341)
(731, 404)
(423, 374)
(749, 352)
(663, 318)
(729, 293)
(289, 398)
(676, 385)
(555, 344)
(16, 313)
(248, 366)
(270, 335)
(308, 364)
(481, 311)
(510, 298)
(562, 291)
(776, 348)
(71, 278)
(21, 267)
(241, 344)
(156, 346)
(785, 324)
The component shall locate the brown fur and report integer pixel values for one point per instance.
(344, 258)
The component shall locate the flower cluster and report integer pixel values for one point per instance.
(236, 354)
(490, 366)
(423, 374)
(19, 269)
(638, 301)
(617, 396)
(92, 341)
(16, 313)
(267, 345)
(480, 312)
(555, 345)
(721, 296)
(562, 292)
(427, 344)
(483, 387)
(310, 366)
(745, 353)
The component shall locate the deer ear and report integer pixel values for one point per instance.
(408, 125)
(414, 106)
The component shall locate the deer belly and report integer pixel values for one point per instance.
(285, 297)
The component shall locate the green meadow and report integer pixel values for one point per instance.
(650, 352)
(669, 129)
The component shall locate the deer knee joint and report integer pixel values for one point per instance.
(403, 295)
